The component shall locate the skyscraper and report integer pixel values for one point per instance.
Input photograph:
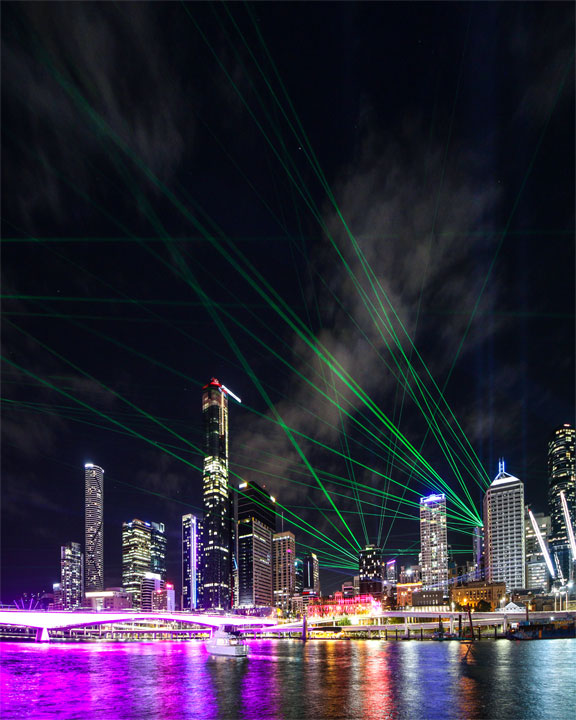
(256, 524)
(189, 562)
(284, 544)
(504, 540)
(312, 573)
(216, 562)
(370, 570)
(94, 514)
(71, 575)
(298, 575)
(433, 542)
(143, 552)
(562, 479)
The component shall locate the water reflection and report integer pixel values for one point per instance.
(289, 679)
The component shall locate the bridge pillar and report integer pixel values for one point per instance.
(505, 625)
(406, 631)
(42, 635)
(451, 624)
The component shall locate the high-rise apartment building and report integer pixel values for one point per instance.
(216, 569)
(71, 575)
(143, 552)
(256, 524)
(370, 570)
(433, 542)
(312, 573)
(284, 544)
(94, 527)
(189, 600)
(536, 570)
(562, 480)
(504, 537)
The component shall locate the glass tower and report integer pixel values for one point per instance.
(216, 562)
(94, 545)
(189, 562)
(143, 552)
(312, 573)
(256, 525)
(562, 478)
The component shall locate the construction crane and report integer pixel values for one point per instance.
(569, 528)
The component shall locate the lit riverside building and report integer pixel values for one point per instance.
(94, 545)
(71, 575)
(190, 527)
(217, 541)
(562, 478)
(143, 552)
(256, 525)
(504, 540)
(433, 542)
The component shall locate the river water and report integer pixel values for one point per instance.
(289, 679)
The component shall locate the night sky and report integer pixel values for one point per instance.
(357, 216)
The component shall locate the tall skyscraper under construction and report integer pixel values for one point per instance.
(94, 526)
(217, 538)
(562, 483)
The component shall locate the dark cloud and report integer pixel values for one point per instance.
(91, 62)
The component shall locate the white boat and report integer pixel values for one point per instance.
(226, 643)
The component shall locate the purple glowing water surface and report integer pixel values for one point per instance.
(287, 680)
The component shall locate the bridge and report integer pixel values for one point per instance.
(415, 620)
(44, 621)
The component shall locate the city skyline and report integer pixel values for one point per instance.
(389, 288)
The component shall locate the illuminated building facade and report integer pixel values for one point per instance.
(433, 542)
(298, 575)
(312, 573)
(536, 570)
(562, 478)
(71, 575)
(109, 599)
(404, 592)
(473, 593)
(504, 537)
(151, 592)
(143, 552)
(256, 525)
(389, 572)
(340, 605)
(94, 527)
(216, 561)
(284, 544)
(189, 600)
(370, 570)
